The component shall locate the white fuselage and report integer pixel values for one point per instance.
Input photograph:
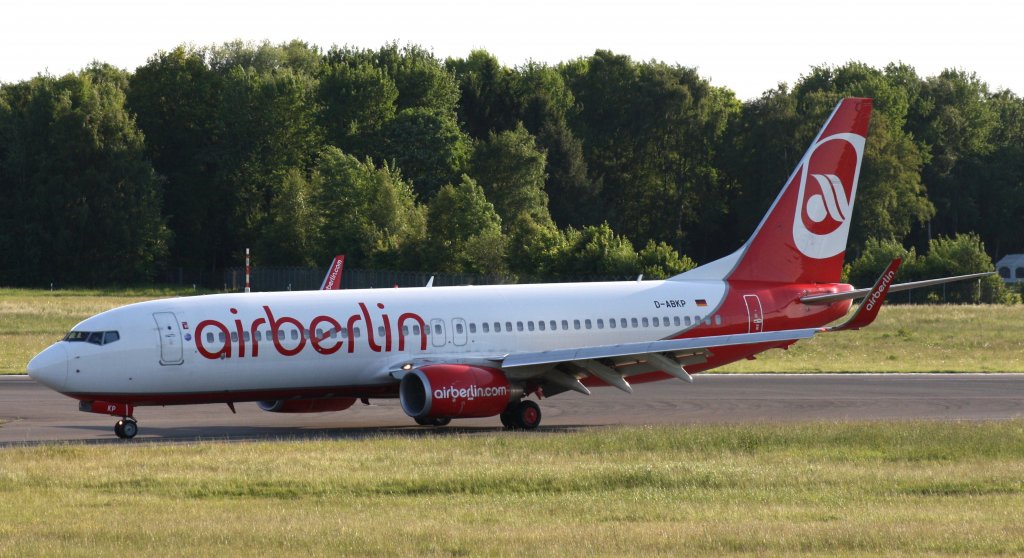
(220, 344)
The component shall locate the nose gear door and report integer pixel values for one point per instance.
(170, 338)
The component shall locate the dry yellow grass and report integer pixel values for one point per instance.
(827, 489)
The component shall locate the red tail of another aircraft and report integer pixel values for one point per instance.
(802, 239)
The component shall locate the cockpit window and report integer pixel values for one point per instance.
(94, 337)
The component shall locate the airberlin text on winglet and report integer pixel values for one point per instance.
(323, 344)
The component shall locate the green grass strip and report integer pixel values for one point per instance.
(810, 489)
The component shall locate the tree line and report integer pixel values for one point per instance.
(602, 165)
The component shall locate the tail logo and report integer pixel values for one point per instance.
(828, 184)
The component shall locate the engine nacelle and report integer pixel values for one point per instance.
(455, 391)
(307, 405)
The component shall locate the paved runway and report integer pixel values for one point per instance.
(37, 414)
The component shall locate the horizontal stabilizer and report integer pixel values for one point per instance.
(861, 293)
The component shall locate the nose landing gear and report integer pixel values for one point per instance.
(126, 428)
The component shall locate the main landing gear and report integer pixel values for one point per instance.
(126, 428)
(524, 415)
(438, 421)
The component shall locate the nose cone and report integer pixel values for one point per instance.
(50, 367)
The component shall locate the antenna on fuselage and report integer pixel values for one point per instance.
(430, 282)
(247, 289)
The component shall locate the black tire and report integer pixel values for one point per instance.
(507, 420)
(526, 415)
(119, 429)
(130, 428)
(433, 421)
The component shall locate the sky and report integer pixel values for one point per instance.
(747, 46)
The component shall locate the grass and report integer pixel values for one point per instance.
(825, 489)
(904, 339)
(910, 338)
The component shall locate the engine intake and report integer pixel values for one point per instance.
(307, 405)
(455, 391)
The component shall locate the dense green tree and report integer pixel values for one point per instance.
(650, 132)
(81, 201)
(510, 168)
(465, 230)
(176, 98)
(595, 251)
(291, 234)
(427, 146)
(358, 101)
(487, 103)
(957, 124)
(660, 261)
(368, 213)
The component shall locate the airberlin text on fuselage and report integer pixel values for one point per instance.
(325, 343)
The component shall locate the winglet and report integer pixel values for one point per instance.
(868, 310)
(332, 281)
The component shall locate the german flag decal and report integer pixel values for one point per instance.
(701, 302)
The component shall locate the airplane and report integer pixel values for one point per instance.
(485, 351)
(332, 281)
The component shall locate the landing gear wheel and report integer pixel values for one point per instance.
(525, 415)
(506, 419)
(436, 421)
(126, 428)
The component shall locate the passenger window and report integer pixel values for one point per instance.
(437, 329)
(245, 335)
(472, 328)
(110, 336)
(575, 324)
(622, 323)
(645, 322)
(565, 325)
(486, 328)
(295, 334)
(344, 333)
(234, 337)
(657, 323)
(458, 328)
(209, 337)
(415, 329)
(707, 320)
(675, 320)
(357, 332)
(600, 323)
(221, 337)
(611, 323)
(519, 326)
(497, 327)
(508, 327)
(258, 335)
(540, 325)
(380, 332)
(718, 319)
(686, 320)
(554, 325)
(405, 330)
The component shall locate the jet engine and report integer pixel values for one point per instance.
(455, 391)
(307, 405)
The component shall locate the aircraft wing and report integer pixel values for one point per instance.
(560, 369)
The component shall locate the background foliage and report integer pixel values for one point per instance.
(402, 160)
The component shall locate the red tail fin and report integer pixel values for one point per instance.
(332, 281)
(802, 239)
